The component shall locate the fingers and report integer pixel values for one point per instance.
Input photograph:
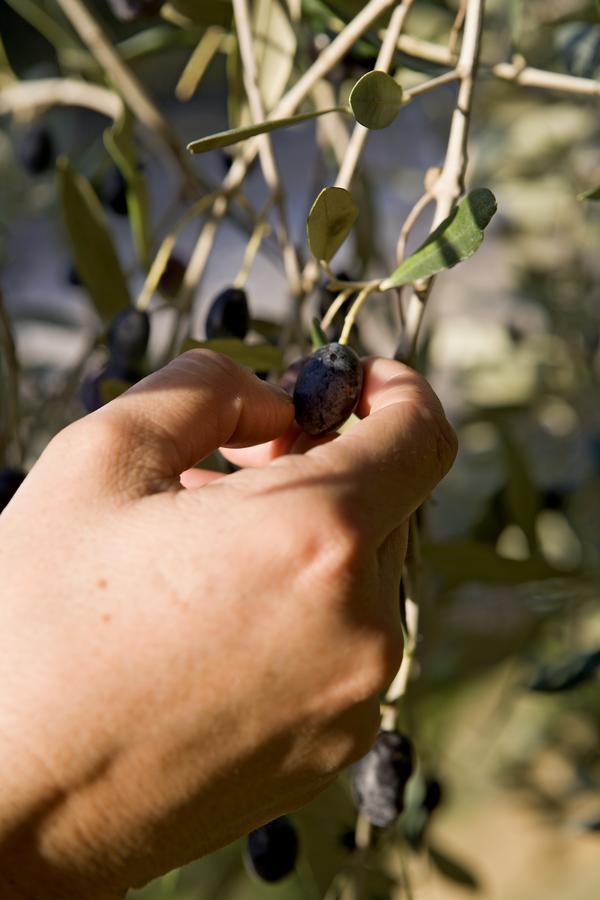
(177, 416)
(385, 466)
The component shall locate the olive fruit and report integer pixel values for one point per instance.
(328, 389)
(35, 150)
(433, 795)
(114, 191)
(172, 277)
(128, 336)
(272, 851)
(228, 315)
(379, 779)
(10, 481)
(130, 10)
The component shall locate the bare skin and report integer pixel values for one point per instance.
(182, 665)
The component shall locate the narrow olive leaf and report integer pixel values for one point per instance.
(566, 675)
(592, 194)
(209, 12)
(376, 99)
(259, 357)
(235, 135)
(93, 250)
(119, 143)
(455, 239)
(317, 335)
(330, 219)
(452, 869)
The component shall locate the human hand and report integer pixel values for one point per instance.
(181, 666)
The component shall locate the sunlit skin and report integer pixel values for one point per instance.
(181, 664)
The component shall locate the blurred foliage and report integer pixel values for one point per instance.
(503, 705)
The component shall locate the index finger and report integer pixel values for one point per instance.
(388, 463)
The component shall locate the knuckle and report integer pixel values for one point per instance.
(381, 662)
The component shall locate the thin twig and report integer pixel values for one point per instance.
(267, 157)
(128, 84)
(449, 186)
(286, 107)
(45, 92)
(409, 223)
(383, 62)
(355, 309)
(334, 309)
(457, 26)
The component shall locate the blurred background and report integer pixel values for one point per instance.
(503, 703)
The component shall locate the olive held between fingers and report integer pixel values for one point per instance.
(228, 315)
(379, 779)
(328, 389)
(272, 850)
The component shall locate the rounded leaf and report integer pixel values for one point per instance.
(376, 99)
(330, 219)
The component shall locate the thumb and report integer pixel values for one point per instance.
(177, 416)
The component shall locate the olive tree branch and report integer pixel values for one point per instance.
(286, 107)
(133, 92)
(267, 157)
(44, 92)
(384, 61)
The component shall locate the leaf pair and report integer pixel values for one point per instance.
(334, 212)
(375, 101)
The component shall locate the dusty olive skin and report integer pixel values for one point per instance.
(228, 315)
(272, 850)
(379, 779)
(328, 389)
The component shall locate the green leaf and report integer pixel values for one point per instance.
(376, 99)
(93, 250)
(235, 135)
(317, 335)
(259, 357)
(566, 675)
(592, 194)
(455, 239)
(119, 143)
(467, 561)
(452, 869)
(330, 219)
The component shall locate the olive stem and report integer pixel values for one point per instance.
(354, 310)
(261, 229)
(334, 308)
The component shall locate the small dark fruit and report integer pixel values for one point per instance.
(272, 851)
(128, 337)
(172, 277)
(131, 10)
(36, 150)
(379, 779)
(228, 315)
(114, 191)
(433, 794)
(328, 389)
(10, 481)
